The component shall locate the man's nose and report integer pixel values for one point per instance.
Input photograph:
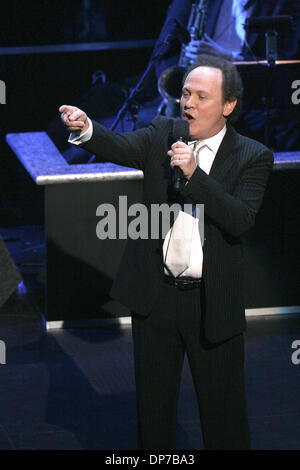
(189, 102)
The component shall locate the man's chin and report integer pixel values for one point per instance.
(193, 133)
(190, 123)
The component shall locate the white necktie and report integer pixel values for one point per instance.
(180, 242)
(198, 147)
(179, 248)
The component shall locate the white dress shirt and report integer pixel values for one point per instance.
(204, 158)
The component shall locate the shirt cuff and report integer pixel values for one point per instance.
(80, 139)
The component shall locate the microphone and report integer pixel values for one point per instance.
(180, 133)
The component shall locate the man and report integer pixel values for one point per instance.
(224, 31)
(201, 311)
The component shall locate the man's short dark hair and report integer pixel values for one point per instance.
(231, 84)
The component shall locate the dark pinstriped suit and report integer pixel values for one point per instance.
(207, 324)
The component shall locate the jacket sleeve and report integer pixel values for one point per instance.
(232, 212)
(127, 148)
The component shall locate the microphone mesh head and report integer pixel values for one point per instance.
(181, 130)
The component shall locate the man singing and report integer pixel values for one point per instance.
(195, 308)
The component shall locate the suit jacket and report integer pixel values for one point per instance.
(232, 194)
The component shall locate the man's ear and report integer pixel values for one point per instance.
(229, 107)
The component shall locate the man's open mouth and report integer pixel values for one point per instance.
(188, 116)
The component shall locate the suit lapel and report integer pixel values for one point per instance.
(226, 155)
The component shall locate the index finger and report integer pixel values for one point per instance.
(62, 108)
(177, 144)
(194, 42)
(66, 108)
(209, 39)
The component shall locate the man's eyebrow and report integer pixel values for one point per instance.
(196, 91)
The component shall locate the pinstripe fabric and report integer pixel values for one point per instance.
(231, 195)
(160, 342)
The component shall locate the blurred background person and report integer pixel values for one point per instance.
(223, 33)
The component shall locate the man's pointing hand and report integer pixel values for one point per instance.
(74, 119)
